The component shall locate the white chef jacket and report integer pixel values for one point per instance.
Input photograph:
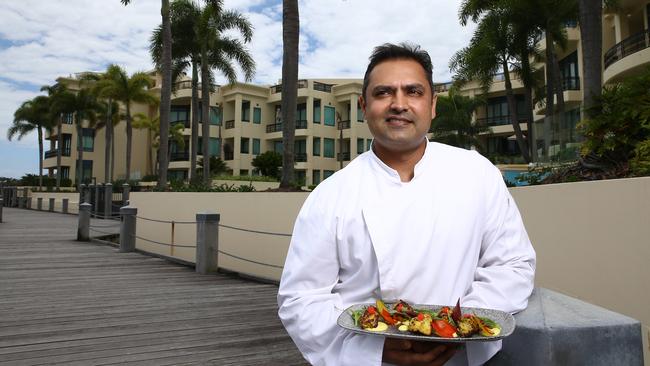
(452, 232)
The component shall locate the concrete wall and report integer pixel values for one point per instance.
(73, 200)
(592, 238)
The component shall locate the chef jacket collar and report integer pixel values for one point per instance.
(392, 174)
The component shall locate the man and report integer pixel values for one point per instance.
(411, 220)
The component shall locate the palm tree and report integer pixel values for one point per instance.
(85, 106)
(165, 88)
(491, 49)
(118, 85)
(219, 51)
(591, 38)
(152, 125)
(290, 39)
(108, 116)
(32, 115)
(60, 105)
(453, 123)
(185, 51)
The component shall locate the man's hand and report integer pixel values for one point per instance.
(404, 352)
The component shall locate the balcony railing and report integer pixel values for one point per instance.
(344, 156)
(180, 156)
(442, 87)
(52, 153)
(571, 83)
(327, 88)
(301, 84)
(344, 125)
(187, 84)
(277, 127)
(185, 123)
(228, 155)
(498, 121)
(230, 124)
(300, 157)
(628, 46)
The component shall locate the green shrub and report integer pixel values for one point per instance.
(640, 163)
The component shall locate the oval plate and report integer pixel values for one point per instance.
(505, 320)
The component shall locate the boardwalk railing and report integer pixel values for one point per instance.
(207, 236)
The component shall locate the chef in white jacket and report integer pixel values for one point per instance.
(409, 219)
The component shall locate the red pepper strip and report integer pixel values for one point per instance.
(384, 313)
(372, 310)
(443, 328)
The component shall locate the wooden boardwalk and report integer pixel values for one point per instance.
(73, 303)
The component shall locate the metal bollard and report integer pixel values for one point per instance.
(127, 229)
(51, 208)
(207, 242)
(81, 189)
(39, 203)
(87, 195)
(2, 203)
(83, 228)
(29, 203)
(126, 190)
(108, 200)
(21, 202)
(64, 205)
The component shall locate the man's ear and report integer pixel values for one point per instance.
(433, 106)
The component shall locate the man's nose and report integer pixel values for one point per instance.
(398, 103)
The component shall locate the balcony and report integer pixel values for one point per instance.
(180, 156)
(300, 158)
(186, 124)
(302, 83)
(628, 46)
(327, 88)
(442, 87)
(344, 125)
(230, 124)
(52, 153)
(187, 84)
(277, 127)
(571, 83)
(344, 156)
(498, 120)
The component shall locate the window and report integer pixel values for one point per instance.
(315, 177)
(244, 145)
(316, 146)
(65, 172)
(256, 146)
(328, 148)
(277, 147)
(316, 110)
(360, 149)
(368, 144)
(67, 118)
(67, 144)
(177, 174)
(87, 171)
(359, 113)
(215, 116)
(243, 172)
(213, 147)
(179, 114)
(330, 116)
(301, 112)
(88, 139)
(245, 111)
(257, 115)
(327, 173)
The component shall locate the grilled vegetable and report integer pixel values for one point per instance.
(444, 329)
(369, 319)
(421, 324)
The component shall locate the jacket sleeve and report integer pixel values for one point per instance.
(506, 266)
(307, 306)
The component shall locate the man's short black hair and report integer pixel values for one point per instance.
(404, 50)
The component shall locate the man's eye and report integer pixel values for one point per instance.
(381, 92)
(415, 91)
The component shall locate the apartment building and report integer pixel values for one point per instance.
(330, 129)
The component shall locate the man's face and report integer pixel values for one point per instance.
(398, 105)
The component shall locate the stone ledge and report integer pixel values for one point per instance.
(557, 329)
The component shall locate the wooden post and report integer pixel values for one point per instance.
(51, 208)
(64, 205)
(39, 203)
(127, 229)
(108, 200)
(207, 242)
(83, 228)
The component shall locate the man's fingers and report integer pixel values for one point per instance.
(397, 344)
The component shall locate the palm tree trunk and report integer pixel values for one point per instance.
(165, 94)
(59, 152)
(80, 150)
(290, 39)
(532, 139)
(129, 135)
(591, 38)
(112, 154)
(548, 118)
(559, 91)
(205, 106)
(107, 140)
(512, 111)
(195, 120)
(40, 158)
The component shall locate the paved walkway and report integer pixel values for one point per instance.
(74, 303)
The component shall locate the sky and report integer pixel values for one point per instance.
(42, 40)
